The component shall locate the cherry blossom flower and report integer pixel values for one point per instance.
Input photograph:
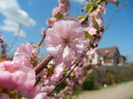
(65, 41)
(51, 21)
(41, 95)
(63, 8)
(60, 9)
(39, 92)
(91, 53)
(16, 76)
(58, 73)
(24, 53)
(64, 4)
(99, 21)
(79, 71)
(91, 30)
(54, 76)
(112, 1)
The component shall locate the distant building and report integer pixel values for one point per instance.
(108, 56)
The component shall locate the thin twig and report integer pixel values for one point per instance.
(40, 43)
(110, 20)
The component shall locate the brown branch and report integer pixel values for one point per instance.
(65, 90)
(43, 64)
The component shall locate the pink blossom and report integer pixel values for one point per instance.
(24, 53)
(55, 76)
(112, 1)
(86, 62)
(62, 1)
(63, 8)
(41, 96)
(91, 30)
(91, 53)
(48, 89)
(100, 10)
(65, 41)
(55, 11)
(99, 21)
(66, 3)
(16, 76)
(38, 92)
(60, 9)
(80, 82)
(99, 38)
(79, 71)
(58, 73)
(51, 21)
(47, 80)
(70, 82)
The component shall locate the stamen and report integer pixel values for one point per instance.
(65, 40)
(15, 68)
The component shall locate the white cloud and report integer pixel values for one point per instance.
(14, 27)
(14, 16)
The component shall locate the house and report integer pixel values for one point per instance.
(108, 56)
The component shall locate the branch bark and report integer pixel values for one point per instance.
(43, 64)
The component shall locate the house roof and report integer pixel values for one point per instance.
(108, 52)
(123, 57)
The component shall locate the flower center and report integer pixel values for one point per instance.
(6, 68)
(65, 40)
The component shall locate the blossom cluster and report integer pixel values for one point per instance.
(60, 12)
(71, 42)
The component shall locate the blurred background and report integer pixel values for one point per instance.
(21, 21)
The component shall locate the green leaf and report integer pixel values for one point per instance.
(58, 15)
(13, 92)
(74, 73)
(87, 35)
(96, 26)
(63, 1)
(94, 0)
(88, 7)
(80, 17)
(106, 2)
(96, 5)
(117, 3)
(65, 69)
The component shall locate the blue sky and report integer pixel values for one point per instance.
(35, 13)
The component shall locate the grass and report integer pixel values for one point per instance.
(131, 97)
